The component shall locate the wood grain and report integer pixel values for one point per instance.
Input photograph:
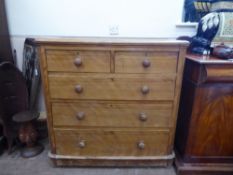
(132, 62)
(212, 122)
(91, 61)
(113, 161)
(110, 41)
(111, 142)
(178, 85)
(102, 97)
(204, 136)
(44, 77)
(111, 87)
(112, 114)
(217, 74)
(183, 168)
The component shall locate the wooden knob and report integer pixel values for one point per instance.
(78, 61)
(82, 144)
(146, 63)
(80, 115)
(145, 89)
(141, 145)
(78, 88)
(142, 116)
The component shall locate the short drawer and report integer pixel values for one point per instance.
(111, 114)
(111, 87)
(78, 61)
(111, 142)
(146, 62)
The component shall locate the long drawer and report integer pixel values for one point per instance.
(78, 61)
(146, 62)
(111, 142)
(111, 114)
(111, 86)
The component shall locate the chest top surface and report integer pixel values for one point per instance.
(208, 59)
(112, 41)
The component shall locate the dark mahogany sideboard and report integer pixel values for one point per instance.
(204, 136)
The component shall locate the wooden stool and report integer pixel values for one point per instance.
(28, 133)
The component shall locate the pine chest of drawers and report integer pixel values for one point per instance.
(111, 102)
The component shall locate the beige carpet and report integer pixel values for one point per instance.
(15, 165)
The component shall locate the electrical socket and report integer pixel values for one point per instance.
(113, 30)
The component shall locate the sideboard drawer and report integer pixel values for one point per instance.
(146, 62)
(112, 114)
(78, 61)
(111, 87)
(111, 142)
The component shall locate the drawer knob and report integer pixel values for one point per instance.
(141, 145)
(82, 144)
(146, 63)
(142, 116)
(80, 115)
(78, 61)
(78, 88)
(145, 89)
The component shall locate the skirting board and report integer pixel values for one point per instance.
(120, 161)
(202, 169)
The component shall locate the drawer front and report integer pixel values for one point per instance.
(111, 143)
(103, 114)
(111, 87)
(78, 61)
(146, 62)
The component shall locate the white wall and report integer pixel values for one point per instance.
(134, 18)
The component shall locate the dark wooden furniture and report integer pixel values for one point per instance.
(28, 133)
(13, 99)
(2, 143)
(5, 48)
(14, 110)
(204, 137)
(111, 102)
